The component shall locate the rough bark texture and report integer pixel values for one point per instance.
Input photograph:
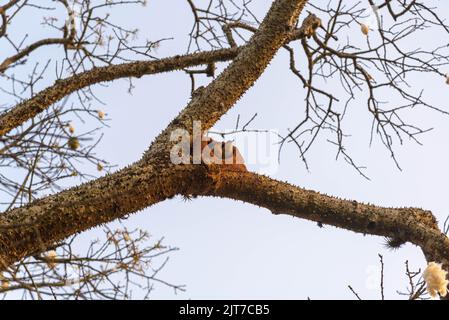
(218, 97)
(25, 52)
(409, 224)
(28, 109)
(35, 227)
(61, 88)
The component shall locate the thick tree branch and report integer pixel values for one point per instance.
(42, 100)
(4, 18)
(220, 95)
(44, 223)
(408, 224)
(32, 228)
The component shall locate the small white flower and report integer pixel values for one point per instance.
(435, 278)
(51, 254)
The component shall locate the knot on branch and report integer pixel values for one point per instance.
(424, 217)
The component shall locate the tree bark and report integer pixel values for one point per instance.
(32, 228)
(28, 109)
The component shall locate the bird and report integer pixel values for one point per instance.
(222, 153)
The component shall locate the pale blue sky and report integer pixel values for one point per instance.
(230, 249)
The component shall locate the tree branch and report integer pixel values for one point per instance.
(408, 224)
(29, 108)
(222, 93)
(32, 228)
(27, 51)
